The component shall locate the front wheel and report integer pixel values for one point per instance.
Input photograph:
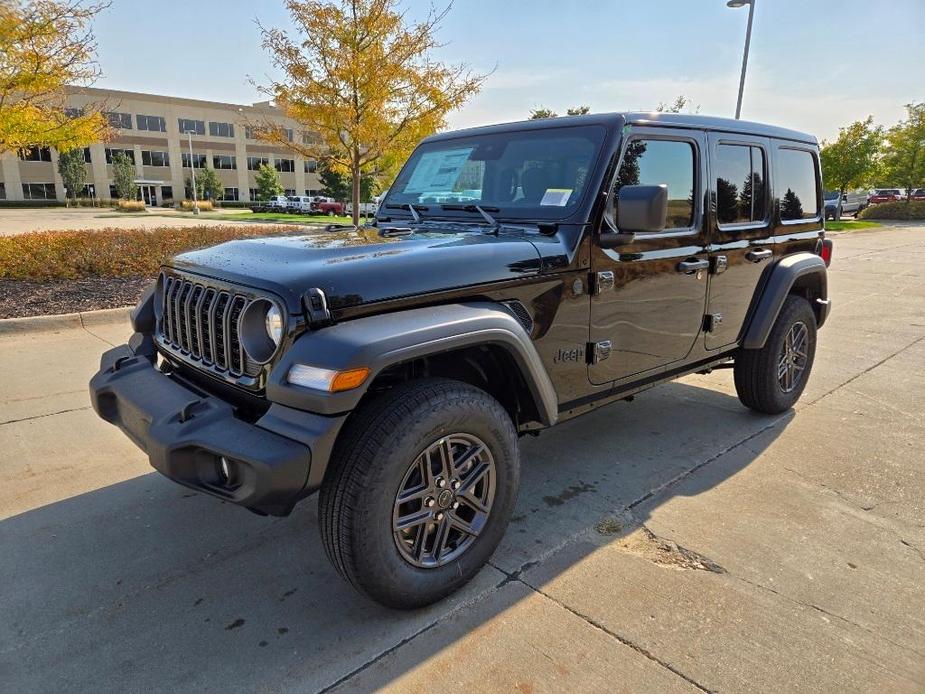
(772, 378)
(419, 491)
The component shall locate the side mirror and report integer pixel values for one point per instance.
(640, 209)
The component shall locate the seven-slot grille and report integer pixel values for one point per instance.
(202, 323)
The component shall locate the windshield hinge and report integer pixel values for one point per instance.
(316, 306)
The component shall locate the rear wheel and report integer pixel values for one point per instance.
(419, 491)
(771, 379)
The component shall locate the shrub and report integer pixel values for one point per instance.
(914, 209)
(130, 205)
(50, 255)
(204, 205)
(31, 203)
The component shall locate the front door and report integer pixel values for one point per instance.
(741, 246)
(649, 296)
(149, 194)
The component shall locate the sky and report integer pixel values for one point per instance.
(814, 65)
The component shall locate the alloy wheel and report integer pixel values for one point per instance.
(444, 500)
(793, 357)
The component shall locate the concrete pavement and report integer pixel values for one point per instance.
(19, 221)
(676, 543)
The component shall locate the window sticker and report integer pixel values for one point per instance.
(557, 197)
(438, 171)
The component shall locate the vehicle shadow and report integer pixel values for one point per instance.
(146, 585)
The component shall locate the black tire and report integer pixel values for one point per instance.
(375, 451)
(757, 379)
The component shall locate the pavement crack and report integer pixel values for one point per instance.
(90, 332)
(646, 653)
(42, 416)
(642, 542)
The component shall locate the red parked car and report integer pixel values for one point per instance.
(327, 206)
(918, 194)
(885, 195)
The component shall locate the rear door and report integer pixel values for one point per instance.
(740, 232)
(650, 295)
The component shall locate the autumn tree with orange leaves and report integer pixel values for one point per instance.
(45, 46)
(362, 82)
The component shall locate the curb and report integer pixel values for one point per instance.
(64, 321)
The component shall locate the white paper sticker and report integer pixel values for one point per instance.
(437, 171)
(557, 197)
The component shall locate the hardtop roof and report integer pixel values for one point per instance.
(656, 119)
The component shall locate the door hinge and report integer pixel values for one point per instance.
(599, 351)
(602, 281)
(712, 321)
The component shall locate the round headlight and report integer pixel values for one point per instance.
(274, 323)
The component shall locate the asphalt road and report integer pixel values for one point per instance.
(676, 543)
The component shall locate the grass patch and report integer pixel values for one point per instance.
(56, 255)
(850, 226)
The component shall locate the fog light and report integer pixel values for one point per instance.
(225, 469)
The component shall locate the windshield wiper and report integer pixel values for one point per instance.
(412, 208)
(495, 224)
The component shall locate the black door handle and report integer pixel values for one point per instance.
(689, 267)
(758, 255)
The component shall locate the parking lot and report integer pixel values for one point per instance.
(676, 543)
(19, 221)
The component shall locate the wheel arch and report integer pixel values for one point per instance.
(803, 274)
(480, 343)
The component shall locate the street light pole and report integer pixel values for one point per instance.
(748, 40)
(192, 172)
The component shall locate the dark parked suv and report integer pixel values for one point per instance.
(515, 276)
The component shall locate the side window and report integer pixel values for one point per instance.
(796, 173)
(740, 184)
(654, 162)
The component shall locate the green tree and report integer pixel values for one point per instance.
(677, 106)
(73, 171)
(850, 161)
(578, 111)
(336, 184)
(364, 80)
(267, 181)
(542, 112)
(903, 162)
(208, 185)
(123, 176)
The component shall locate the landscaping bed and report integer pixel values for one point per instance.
(52, 272)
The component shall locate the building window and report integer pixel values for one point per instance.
(113, 195)
(87, 158)
(657, 162)
(311, 166)
(2, 190)
(39, 191)
(221, 129)
(312, 193)
(197, 127)
(285, 166)
(740, 184)
(288, 133)
(119, 120)
(254, 163)
(252, 132)
(199, 160)
(88, 191)
(167, 192)
(230, 194)
(111, 152)
(289, 192)
(151, 123)
(35, 154)
(224, 161)
(252, 193)
(155, 158)
(796, 174)
(73, 112)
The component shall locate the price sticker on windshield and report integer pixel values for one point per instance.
(556, 197)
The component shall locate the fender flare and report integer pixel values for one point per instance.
(384, 340)
(782, 279)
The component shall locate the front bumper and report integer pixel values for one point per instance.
(186, 432)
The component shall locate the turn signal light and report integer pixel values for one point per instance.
(326, 379)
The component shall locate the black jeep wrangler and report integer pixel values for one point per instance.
(515, 276)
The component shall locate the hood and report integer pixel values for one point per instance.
(359, 266)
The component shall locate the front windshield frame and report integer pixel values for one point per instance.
(518, 208)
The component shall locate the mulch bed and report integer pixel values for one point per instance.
(20, 298)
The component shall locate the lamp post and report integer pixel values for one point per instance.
(748, 39)
(192, 172)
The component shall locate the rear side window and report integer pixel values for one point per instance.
(796, 174)
(654, 162)
(741, 195)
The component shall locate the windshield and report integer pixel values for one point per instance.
(527, 174)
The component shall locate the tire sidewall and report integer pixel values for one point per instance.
(464, 410)
(796, 309)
